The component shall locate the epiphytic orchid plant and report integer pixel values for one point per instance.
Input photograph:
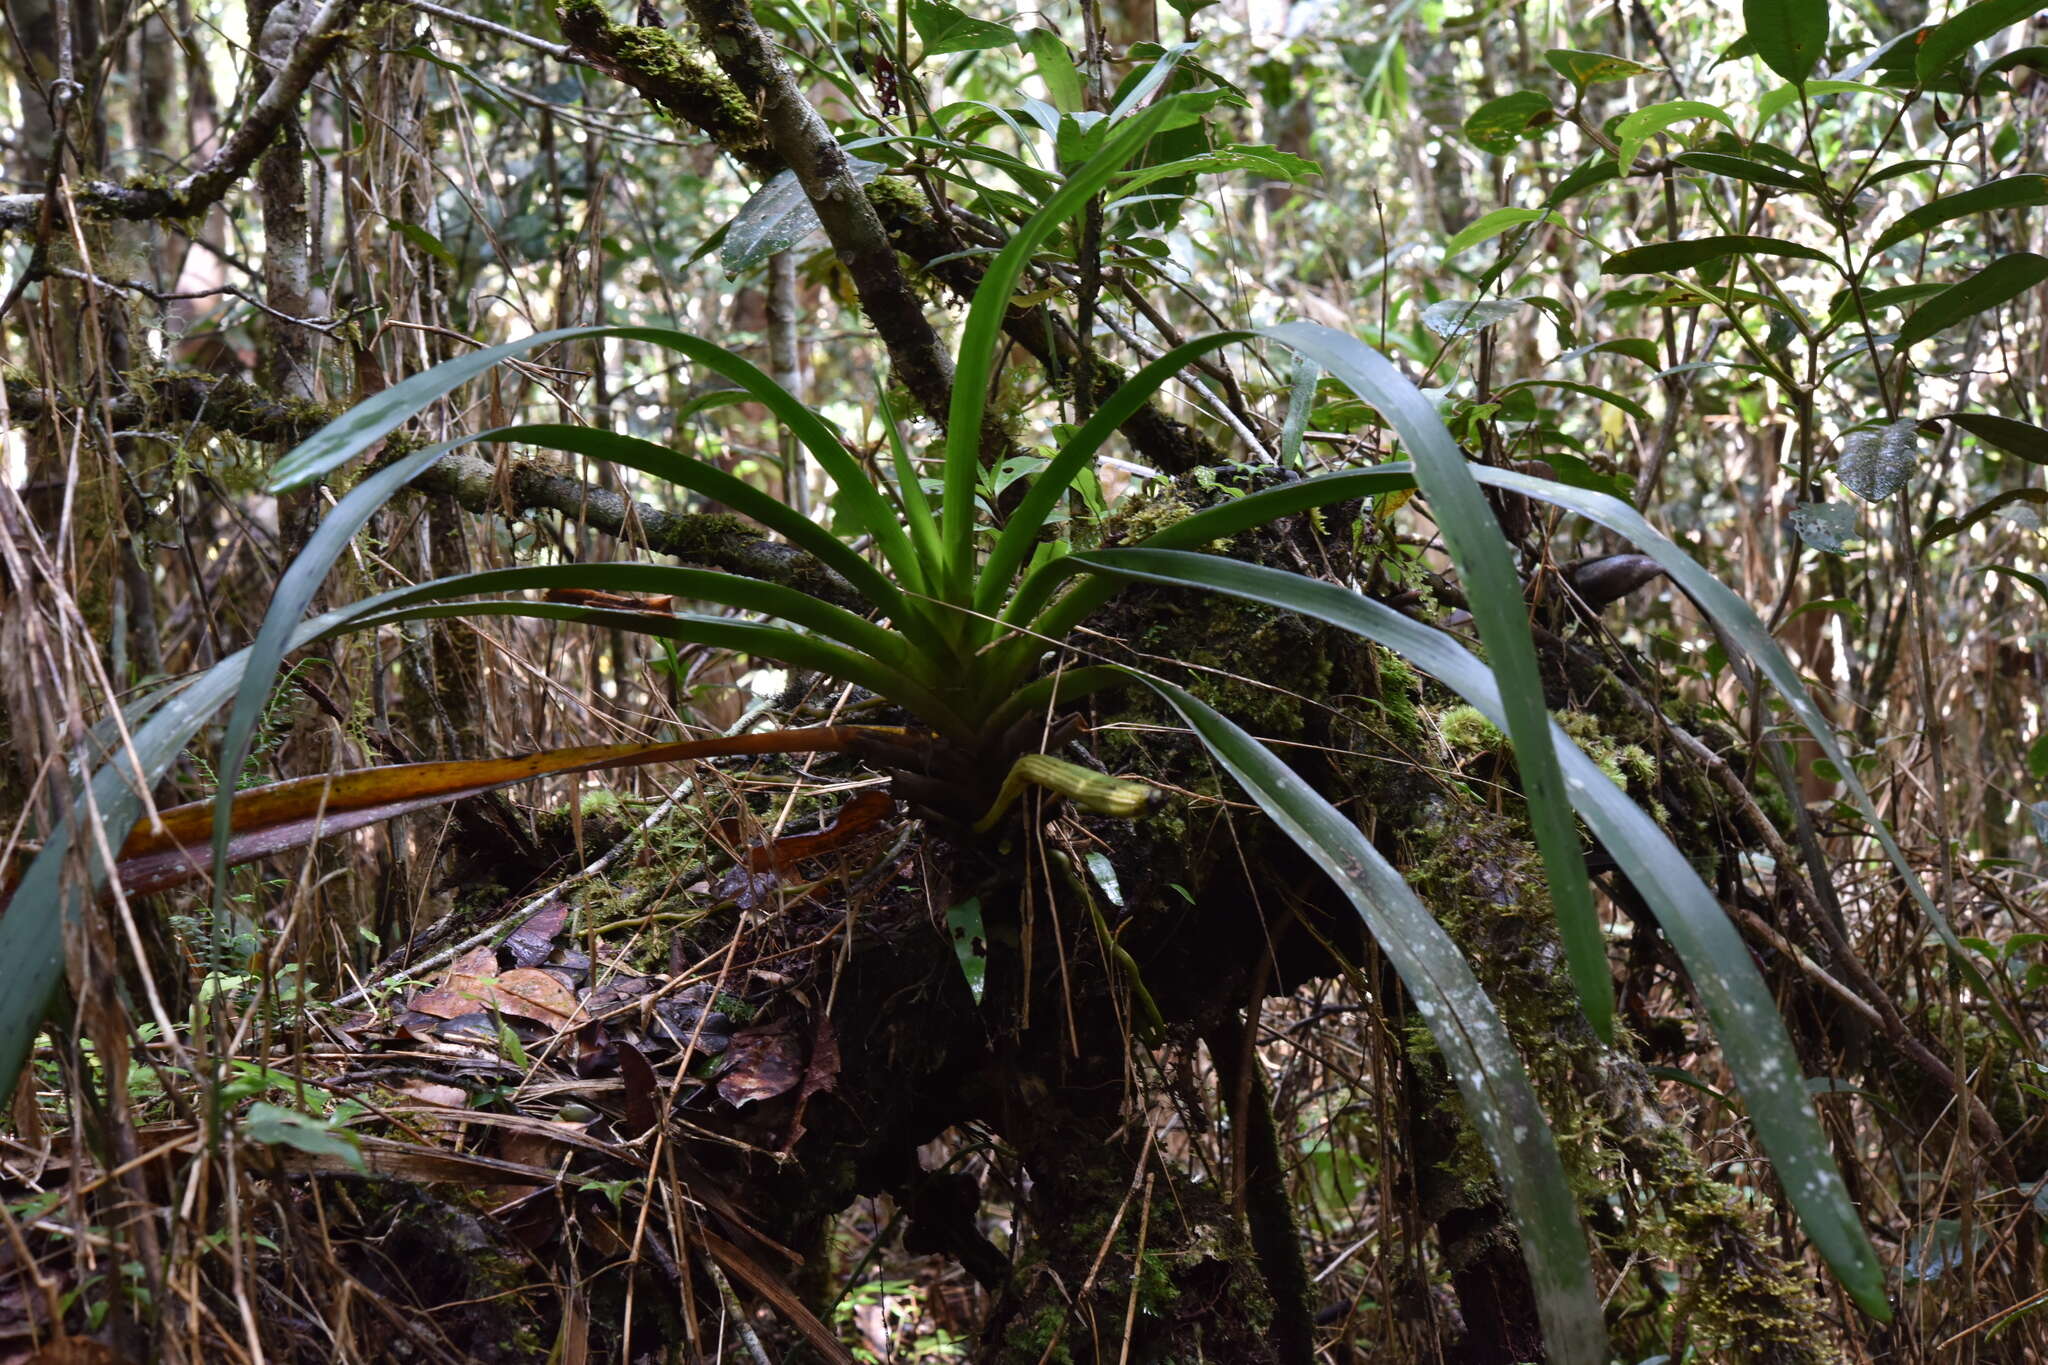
(959, 617)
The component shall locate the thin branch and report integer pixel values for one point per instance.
(803, 142)
(191, 195)
(716, 541)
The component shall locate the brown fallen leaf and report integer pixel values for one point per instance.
(531, 943)
(434, 1093)
(475, 984)
(765, 1062)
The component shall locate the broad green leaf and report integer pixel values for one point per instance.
(2005, 278)
(1063, 85)
(2014, 437)
(1590, 68)
(1461, 318)
(1599, 170)
(946, 30)
(1740, 1004)
(1912, 166)
(1493, 225)
(425, 241)
(1501, 125)
(1876, 301)
(1876, 464)
(2036, 57)
(1635, 348)
(970, 944)
(1965, 30)
(2014, 191)
(779, 217)
(1608, 396)
(273, 1126)
(1632, 132)
(1269, 162)
(1790, 36)
(1476, 1047)
(1827, 526)
(1743, 168)
(1662, 258)
(1775, 102)
(1487, 571)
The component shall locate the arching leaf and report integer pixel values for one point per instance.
(1467, 1029)
(2005, 278)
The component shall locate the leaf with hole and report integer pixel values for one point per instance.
(1826, 526)
(970, 944)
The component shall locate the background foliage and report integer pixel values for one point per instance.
(1773, 279)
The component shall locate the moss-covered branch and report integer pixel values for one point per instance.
(713, 540)
(238, 407)
(681, 84)
(252, 135)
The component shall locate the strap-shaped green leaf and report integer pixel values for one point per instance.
(1745, 1016)
(701, 476)
(1743, 631)
(1015, 543)
(2006, 278)
(1791, 36)
(748, 637)
(1477, 1050)
(982, 332)
(2011, 192)
(694, 585)
(1487, 569)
